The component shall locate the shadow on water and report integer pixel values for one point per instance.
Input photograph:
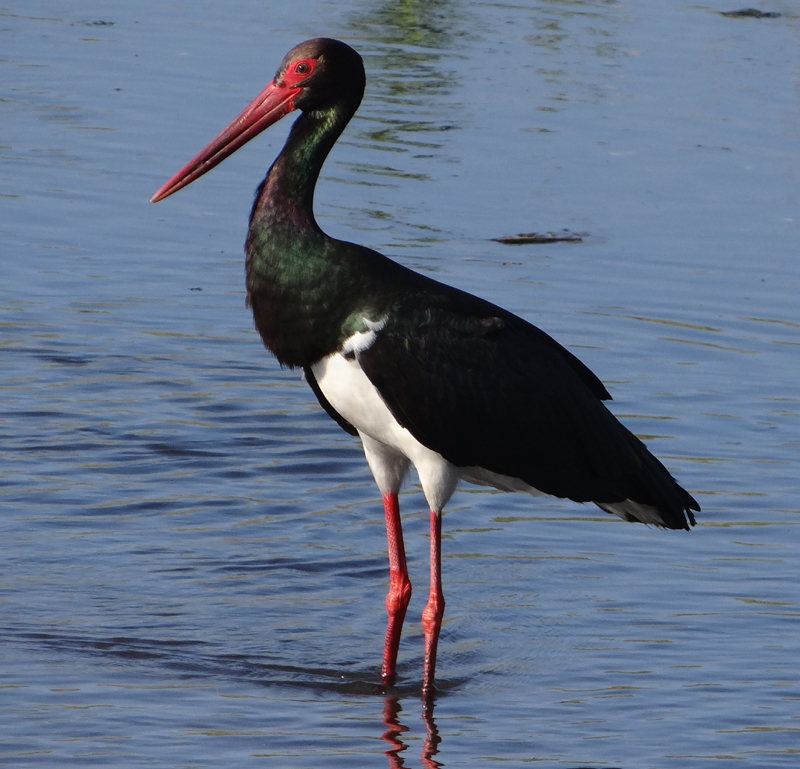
(187, 660)
(196, 658)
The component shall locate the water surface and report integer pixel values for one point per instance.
(194, 567)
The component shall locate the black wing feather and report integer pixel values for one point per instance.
(498, 393)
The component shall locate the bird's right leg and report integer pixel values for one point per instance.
(399, 588)
(390, 467)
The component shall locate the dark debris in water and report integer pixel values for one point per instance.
(536, 237)
(750, 13)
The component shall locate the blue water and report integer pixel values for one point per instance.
(193, 558)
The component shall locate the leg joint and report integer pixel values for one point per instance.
(399, 594)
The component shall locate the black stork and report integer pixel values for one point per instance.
(421, 372)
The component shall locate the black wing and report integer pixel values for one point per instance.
(498, 393)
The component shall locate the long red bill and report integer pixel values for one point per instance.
(269, 107)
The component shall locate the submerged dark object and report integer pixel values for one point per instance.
(423, 373)
(750, 13)
(536, 237)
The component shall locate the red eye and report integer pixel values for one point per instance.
(299, 71)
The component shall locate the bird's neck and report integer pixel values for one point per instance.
(298, 280)
(285, 201)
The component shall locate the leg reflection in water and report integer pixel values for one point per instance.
(391, 711)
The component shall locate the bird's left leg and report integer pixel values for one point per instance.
(434, 611)
(399, 588)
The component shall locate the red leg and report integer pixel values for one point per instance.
(399, 588)
(434, 611)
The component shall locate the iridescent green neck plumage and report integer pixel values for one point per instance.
(296, 275)
(286, 197)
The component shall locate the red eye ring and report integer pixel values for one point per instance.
(298, 71)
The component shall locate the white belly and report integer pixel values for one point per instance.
(388, 446)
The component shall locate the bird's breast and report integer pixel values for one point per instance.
(349, 391)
